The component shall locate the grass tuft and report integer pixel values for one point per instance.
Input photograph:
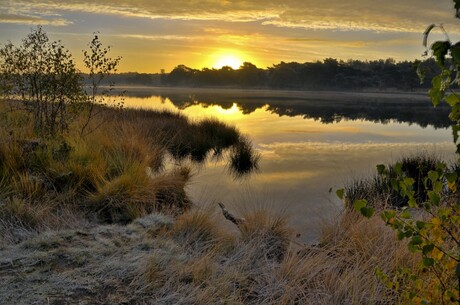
(377, 190)
(197, 231)
(243, 159)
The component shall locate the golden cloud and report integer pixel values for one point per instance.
(391, 16)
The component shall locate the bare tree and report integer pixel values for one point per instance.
(100, 66)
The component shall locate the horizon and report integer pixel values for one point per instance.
(153, 36)
(274, 64)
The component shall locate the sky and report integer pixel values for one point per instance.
(151, 35)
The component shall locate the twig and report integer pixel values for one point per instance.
(237, 221)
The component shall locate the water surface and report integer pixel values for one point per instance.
(308, 141)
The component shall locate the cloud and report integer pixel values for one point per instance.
(357, 15)
(32, 20)
(160, 37)
(17, 13)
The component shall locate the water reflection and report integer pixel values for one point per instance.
(301, 156)
(326, 107)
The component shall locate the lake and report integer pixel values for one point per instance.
(309, 142)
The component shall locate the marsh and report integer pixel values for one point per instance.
(309, 142)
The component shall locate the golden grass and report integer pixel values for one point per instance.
(198, 231)
(116, 174)
(210, 269)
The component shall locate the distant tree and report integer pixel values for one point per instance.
(329, 74)
(249, 75)
(284, 75)
(181, 75)
(226, 76)
(42, 76)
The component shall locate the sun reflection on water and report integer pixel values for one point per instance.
(303, 158)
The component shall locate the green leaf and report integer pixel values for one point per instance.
(408, 181)
(457, 270)
(398, 168)
(440, 49)
(455, 131)
(420, 224)
(405, 214)
(452, 99)
(455, 53)
(380, 169)
(428, 261)
(412, 248)
(433, 175)
(340, 193)
(438, 186)
(412, 202)
(451, 177)
(427, 249)
(394, 184)
(434, 198)
(408, 233)
(367, 212)
(416, 240)
(454, 114)
(359, 204)
(387, 215)
(435, 93)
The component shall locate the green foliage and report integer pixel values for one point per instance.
(447, 56)
(430, 223)
(384, 188)
(361, 207)
(340, 193)
(431, 229)
(440, 50)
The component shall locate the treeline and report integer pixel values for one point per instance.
(329, 74)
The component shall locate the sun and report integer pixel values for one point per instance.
(230, 60)
(228, 111)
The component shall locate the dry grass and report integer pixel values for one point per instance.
(191, 260)
(116, 173)
(341, 270)
(53, 249)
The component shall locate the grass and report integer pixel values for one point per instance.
(99, 220)
(114, 174)
(377, 189)
(243, 159)
(191, 260)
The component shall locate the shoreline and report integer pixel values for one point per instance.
(273, 93)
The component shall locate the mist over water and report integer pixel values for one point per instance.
(309, 143)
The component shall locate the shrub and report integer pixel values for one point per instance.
(379, 189)
(44, 75)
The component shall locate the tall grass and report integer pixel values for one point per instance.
(116, 173)
(211, 266)
(378, 189)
